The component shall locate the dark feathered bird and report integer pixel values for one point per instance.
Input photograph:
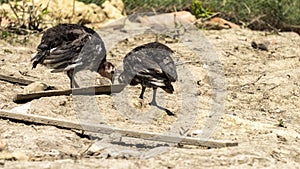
(71, 48)
(150, 65)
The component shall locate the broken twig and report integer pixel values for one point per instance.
(12, 79)
(109, 130)
(107, 89)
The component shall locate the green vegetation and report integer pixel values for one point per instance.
(3, 1)
(255, 14)
(281, 123)
(198, 10)
(273, 12)
(98, 2)
(132, 6)
(13, 38)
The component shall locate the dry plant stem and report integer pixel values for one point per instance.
(14, 11)
(73, 8)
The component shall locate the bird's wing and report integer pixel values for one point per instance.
(62, 33)
(167, 65)
(57, 39)
(66, 56)
(151, 63)
(93, 53)
(162, 55)
(139, 66)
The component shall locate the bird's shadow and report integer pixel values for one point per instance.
(169, 113)
(139, 145)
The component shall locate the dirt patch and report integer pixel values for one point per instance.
(261, 113)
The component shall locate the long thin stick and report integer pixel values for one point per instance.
(107, 89)
(108, 130)
(12, 79)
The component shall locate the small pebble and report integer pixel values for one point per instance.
(196, 132)
(261, 46)
(35, 87)
(3, 145)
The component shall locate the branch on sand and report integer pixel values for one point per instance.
(107, 89)
(35, 119)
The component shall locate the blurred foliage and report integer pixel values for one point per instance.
(198, 10)
(133, 6)
(12, 37)
(3, 1)
(28, 16)
(98, 2)
(273, 12)
(25, 22)
(249, 13)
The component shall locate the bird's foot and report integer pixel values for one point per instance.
(153, 103)
(169, 113)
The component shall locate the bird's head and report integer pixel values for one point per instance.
(107, 70)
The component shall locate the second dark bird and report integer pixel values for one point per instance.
(71, 48)
(150, 65)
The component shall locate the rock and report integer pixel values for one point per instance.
(111, 11)
(20, 156)
(98, 147)
(3, 145)
(53, 152)
(218, 24)
(13, 156)
(35, 87)
(196, 132)
(168, 20)
(63, 11)
(261, 46)
(118, 4)
(5, 155)
(117, 152)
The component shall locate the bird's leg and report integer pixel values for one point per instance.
(70, 74)
(142, 93)
(153, 102)
(141, 101)
(75, 84)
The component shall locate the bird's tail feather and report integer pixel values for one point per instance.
(168, 88)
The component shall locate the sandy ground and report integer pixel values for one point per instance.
(261, 110)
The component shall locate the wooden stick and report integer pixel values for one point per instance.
(98, 128)
(107, 89)
(12, 79)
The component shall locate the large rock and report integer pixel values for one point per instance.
(53, 12)
(168, 20)
(113, 9)
(3, 145)
(217, 24)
